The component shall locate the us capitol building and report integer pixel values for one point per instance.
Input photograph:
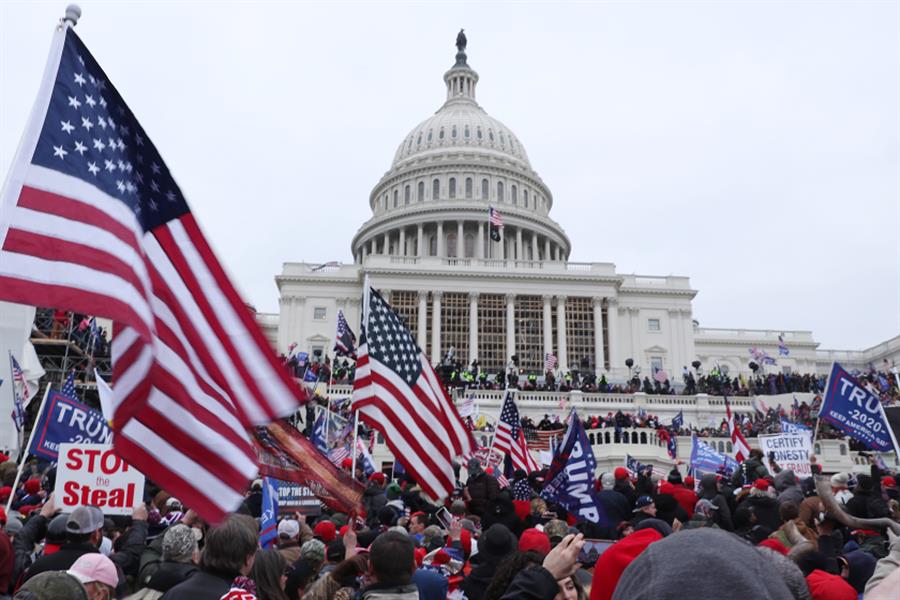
(427, 247)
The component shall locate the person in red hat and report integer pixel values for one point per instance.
(325, 531)
(374, 498)
(534, 539)
(825, 586)
(623, 486)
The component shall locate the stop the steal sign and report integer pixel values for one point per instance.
(94, 475)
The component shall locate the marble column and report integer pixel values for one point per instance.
(634, 318)
(510, 325)
(460, 246)
(440, 240)
(687, 323)
(561, 351)
(436, 327)
(420, 240)
(547, 249)
(479, 242)
(612, 323)
(548, 325)
(534, 247)
(372, 248)
(422, 317)
(402, 244)
(675, 345)
(556, 253)
(473, 327)
(599, 354)
(520, 254)
(501, 245)
(387, 243)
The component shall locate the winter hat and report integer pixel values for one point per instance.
(661, 527)
(774, 544)
(377, 477)
(642, 502)
(52, 585)
(313, 550)
(497, 543)
(689, 481)
(839, 480)
(325, 531)
(674, 476)
(533, 539)
(888, 482)
(33, 486)
(179, 543)
(789, 572)
(13, 527)
(728, 562)
(5, 493)
(620, 473)
(615, 560)
(825, 586)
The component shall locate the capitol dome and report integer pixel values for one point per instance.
(446, 174)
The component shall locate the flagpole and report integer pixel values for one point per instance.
(24, 451)
(365, 321)
(12, 383)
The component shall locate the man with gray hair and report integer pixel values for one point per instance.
(615, 506)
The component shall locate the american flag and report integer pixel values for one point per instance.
(494, 217)
(68, 386)
(398, 393)
(541, 439)
(510, 437)
(344, 340)
(550, 361)
(18, 413)
(92, 221)
(338, 454)
(782, 347)
(738, 441)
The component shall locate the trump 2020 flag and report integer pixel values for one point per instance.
(268, 523)
(92, 220)
(570, 480)
(855, 410)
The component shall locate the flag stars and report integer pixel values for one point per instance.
(120, 185)
(138, 139)
(80, 148)
(153, 205)
(67, 126)
(101, 122)
(81, 59)
(89, 100)
(93, 168)
(154, 186)
(110, 165)
(74, 102)
(59, 151)
(99, 145)
(86, 123)
(102, 102)
(79, 78)
(155, 168)
(170, 196)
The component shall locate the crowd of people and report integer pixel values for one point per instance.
(762, 533)
(76, 327)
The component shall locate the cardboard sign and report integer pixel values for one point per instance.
(791, 450)
(94, 475)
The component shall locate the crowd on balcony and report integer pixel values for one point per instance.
(80, 329)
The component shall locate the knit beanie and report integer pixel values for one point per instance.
(534, 539)
(178, 544)
(825, 586)
(313, 550)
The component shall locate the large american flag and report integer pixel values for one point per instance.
(738, 441)
(92, 221)
(494, 217)
(344, 339)
(398, 393)
(510, 438)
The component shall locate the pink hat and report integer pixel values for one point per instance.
(95, 567)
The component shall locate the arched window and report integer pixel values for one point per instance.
(525, 197)
(430, 135)
(484, 189)
(468, 187)
(490, 135)
(441, 134)
(502, 139)
(591, 439)
(396, 198)
(843, 448)
(421, 195)
(432, 245)
(643, 437)
(452, 187)
(419, 141)
(469, 245)
(436, 189)
(499, 191)
(478, 133)
(728, 445)
(406, 195)
(606, 437)
(451, 244)
(466, 132)
(453, 132)
(634, 435)
(409, 145)
(515, 195)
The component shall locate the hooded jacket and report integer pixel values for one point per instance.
(482, 489)
(788, 488)
(709, 491)
(765, 508)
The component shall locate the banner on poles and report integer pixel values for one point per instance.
(94, 475)
(855, 410)
(67, 421)
(791, 450)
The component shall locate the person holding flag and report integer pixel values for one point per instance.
(510, 439)
(268, 523)
(344, 339)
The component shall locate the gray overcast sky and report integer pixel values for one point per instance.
(751, 146)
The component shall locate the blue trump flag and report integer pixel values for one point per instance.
(705, 459)
(318, 433)
(570, 480)
(678, 420)
(268, 522)
(67, 421)
(791, 427)
(855, 410)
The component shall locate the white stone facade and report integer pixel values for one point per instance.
(427, 247)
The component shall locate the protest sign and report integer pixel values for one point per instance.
(65, 420)
(297, 498)
(94, 475)
(855, 410)
(791, 451)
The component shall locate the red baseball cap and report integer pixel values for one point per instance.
(620, 473)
